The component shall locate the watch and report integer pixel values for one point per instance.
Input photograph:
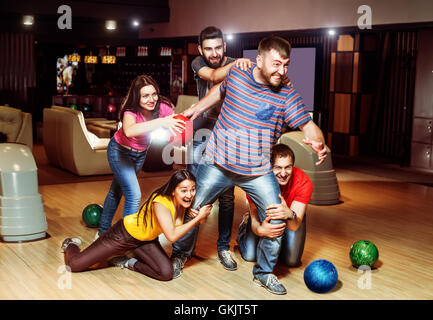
(293, 216)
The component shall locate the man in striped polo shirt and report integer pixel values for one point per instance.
(256, 110)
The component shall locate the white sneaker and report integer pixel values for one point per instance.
(76, 240)
(119, 261)
(270, 282)
(96, 236)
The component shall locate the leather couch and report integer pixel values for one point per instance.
(16, 125)
(184, 102)
(70, 146)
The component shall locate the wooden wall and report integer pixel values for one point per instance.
(350, 92)
(17, 68)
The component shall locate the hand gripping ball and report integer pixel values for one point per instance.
(184, 137)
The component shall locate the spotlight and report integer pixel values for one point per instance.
(110, 24)
(135, 23)
(28, 20)
(331, 32)
(229, 37)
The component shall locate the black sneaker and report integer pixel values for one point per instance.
(226, 259)
(178, 264)
(270, 283)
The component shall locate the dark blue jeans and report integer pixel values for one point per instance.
(212, 181)
(226, 200)
(125, 165)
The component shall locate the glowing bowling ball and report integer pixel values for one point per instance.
(85, 107)
(111, 108)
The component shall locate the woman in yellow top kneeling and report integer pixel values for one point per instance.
(163, 212)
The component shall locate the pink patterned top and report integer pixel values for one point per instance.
(140, 142)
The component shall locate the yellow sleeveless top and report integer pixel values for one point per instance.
(150, 229)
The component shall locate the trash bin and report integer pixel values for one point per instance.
(22, 216)
(323, 177)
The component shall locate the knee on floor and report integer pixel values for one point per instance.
(166, 273)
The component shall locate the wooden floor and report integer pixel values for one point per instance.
(396, 216)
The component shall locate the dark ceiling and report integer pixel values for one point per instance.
(88, 19)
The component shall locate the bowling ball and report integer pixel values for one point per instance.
(363, 253)
(111, 108)
(85, 107)
(320, 276)
(92, 214)
(73, 106)
(184, 137)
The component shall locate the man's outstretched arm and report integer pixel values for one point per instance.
(213, 97)
(314, 137)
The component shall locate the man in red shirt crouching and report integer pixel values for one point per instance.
(296, 189)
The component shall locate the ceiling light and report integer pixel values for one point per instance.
(229, 37)
(331, 32)
(135, 23)
(110, 25)
(28, 20)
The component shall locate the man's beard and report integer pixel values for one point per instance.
(216, 64)
(267, 76)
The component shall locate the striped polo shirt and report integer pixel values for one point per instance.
(252, 118)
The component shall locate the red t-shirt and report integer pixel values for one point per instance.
(299, 188)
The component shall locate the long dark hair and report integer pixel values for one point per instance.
(165, 190)
(132, 99)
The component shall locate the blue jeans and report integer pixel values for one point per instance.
(226, 200)
(125, 165)
(292, 245)
(212, 180)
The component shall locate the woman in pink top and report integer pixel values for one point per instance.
(143, 111)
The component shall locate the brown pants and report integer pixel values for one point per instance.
(151, 257)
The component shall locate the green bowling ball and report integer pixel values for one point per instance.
(73, 106)
(92, 214)
(363, 253)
